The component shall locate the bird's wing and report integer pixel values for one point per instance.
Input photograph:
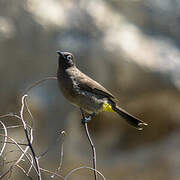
(87, 84)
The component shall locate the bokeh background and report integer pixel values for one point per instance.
(132, 47)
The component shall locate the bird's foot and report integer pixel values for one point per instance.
(87, 119)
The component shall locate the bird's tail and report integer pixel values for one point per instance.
(137, 123)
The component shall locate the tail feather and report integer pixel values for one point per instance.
(137, 123)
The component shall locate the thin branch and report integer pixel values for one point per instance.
(29, 112)
(5, 138)
(16, 116)
(12, 127)
(23, 170)
(6, 173)
(10, 174)
(8, 142)
(50, 172)
(92, 145)
(39, 82)
(8, 162)
(31, 164)
(8, 152)
(20, 148)
(48, 149)
(28, 139)
(93, 149)
(63, 133)
(7, 115)
(83, 167)
(20, 158)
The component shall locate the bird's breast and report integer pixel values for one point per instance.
(68, 85)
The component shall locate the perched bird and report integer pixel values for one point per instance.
(87, 94)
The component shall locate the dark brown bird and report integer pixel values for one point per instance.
(87, 94)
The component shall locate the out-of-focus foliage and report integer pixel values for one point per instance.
(129, 46)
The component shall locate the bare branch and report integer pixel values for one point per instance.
(5, 138)
(23, 170)
(29, 112)
(48, 149)
(83, 167)
(12, 127)
(10, 174)
(31, 164)
(50, 172)
(91, 143)
(8, 142)
(23, 154)
(28, 139)
(16, 116)
(7, 115)
(39, 82)
(63, 133)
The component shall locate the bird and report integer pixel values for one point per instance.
(87, 94)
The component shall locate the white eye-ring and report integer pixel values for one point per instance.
(69, 57)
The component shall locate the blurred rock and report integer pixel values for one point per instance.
(7, 29)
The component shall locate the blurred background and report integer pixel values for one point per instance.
(132, 47)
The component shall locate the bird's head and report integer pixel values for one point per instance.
(66, 59)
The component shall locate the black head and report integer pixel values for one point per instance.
(66, 59)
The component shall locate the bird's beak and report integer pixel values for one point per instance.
(60, 53)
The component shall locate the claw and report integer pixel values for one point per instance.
(85, 120)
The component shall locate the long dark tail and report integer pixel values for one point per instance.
(137, 123)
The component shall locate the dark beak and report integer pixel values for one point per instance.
(60, 53)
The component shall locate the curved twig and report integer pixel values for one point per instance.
(39, 82)
(20, 158)
(5, 138)
(50, 172)
(63, 133)
(28, 139)
(83, 167)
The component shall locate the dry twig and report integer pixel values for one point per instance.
(83, 167)
(28, 139)
(92, 145)
(20, 158)
(63, 133)
(5, 138)
(39, 82)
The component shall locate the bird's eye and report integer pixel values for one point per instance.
(69, 57)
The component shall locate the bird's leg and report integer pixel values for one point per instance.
(91, 116)
(86, 119)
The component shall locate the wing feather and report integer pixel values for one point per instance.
(87, 84)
